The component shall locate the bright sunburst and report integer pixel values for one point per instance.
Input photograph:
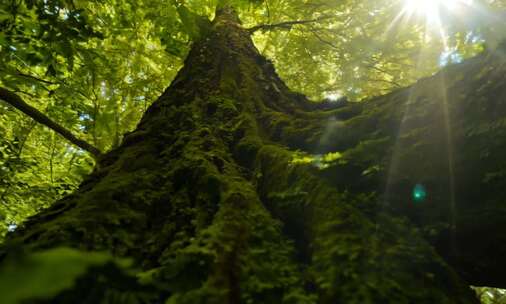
(433, 13)
(431, 9)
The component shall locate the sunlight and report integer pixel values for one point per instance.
(430, 9)
(432, 12)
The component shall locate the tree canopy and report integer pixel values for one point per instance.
(94, 67)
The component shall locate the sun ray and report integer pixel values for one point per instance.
(431, 12)
(434, 22)
(450, 158)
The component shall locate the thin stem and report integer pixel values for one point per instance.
(284, 25)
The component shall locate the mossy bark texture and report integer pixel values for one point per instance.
(209, 197)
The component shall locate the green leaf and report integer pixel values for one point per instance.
(46, 273)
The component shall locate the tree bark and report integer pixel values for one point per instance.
(208, 195)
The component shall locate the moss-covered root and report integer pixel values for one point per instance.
(353, 255)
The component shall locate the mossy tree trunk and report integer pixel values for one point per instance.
(208, 193)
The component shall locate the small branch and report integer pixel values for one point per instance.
(268, 10)
(284, 25)
(315, 33)
(373, 66)
(19, 73)
(395, 84)
(18, 103)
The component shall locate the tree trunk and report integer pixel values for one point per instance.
(209, 195)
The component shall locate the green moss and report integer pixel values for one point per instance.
(206, 196)
(221, 107)
(355, 256)
(246, 150)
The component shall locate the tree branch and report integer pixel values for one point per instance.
(284, 25)
(19, 73)
(315, 33)
(18, 103)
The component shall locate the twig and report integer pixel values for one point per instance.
(284, 25)
(386, 73)
(314, 32)
(19, 73)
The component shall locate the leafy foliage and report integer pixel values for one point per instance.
(491, 295)
(44, 274)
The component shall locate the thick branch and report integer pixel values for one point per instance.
(16, 101)
(284, 25)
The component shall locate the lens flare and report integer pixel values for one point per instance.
(419, 193)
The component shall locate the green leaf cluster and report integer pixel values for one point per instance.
(44, 274)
